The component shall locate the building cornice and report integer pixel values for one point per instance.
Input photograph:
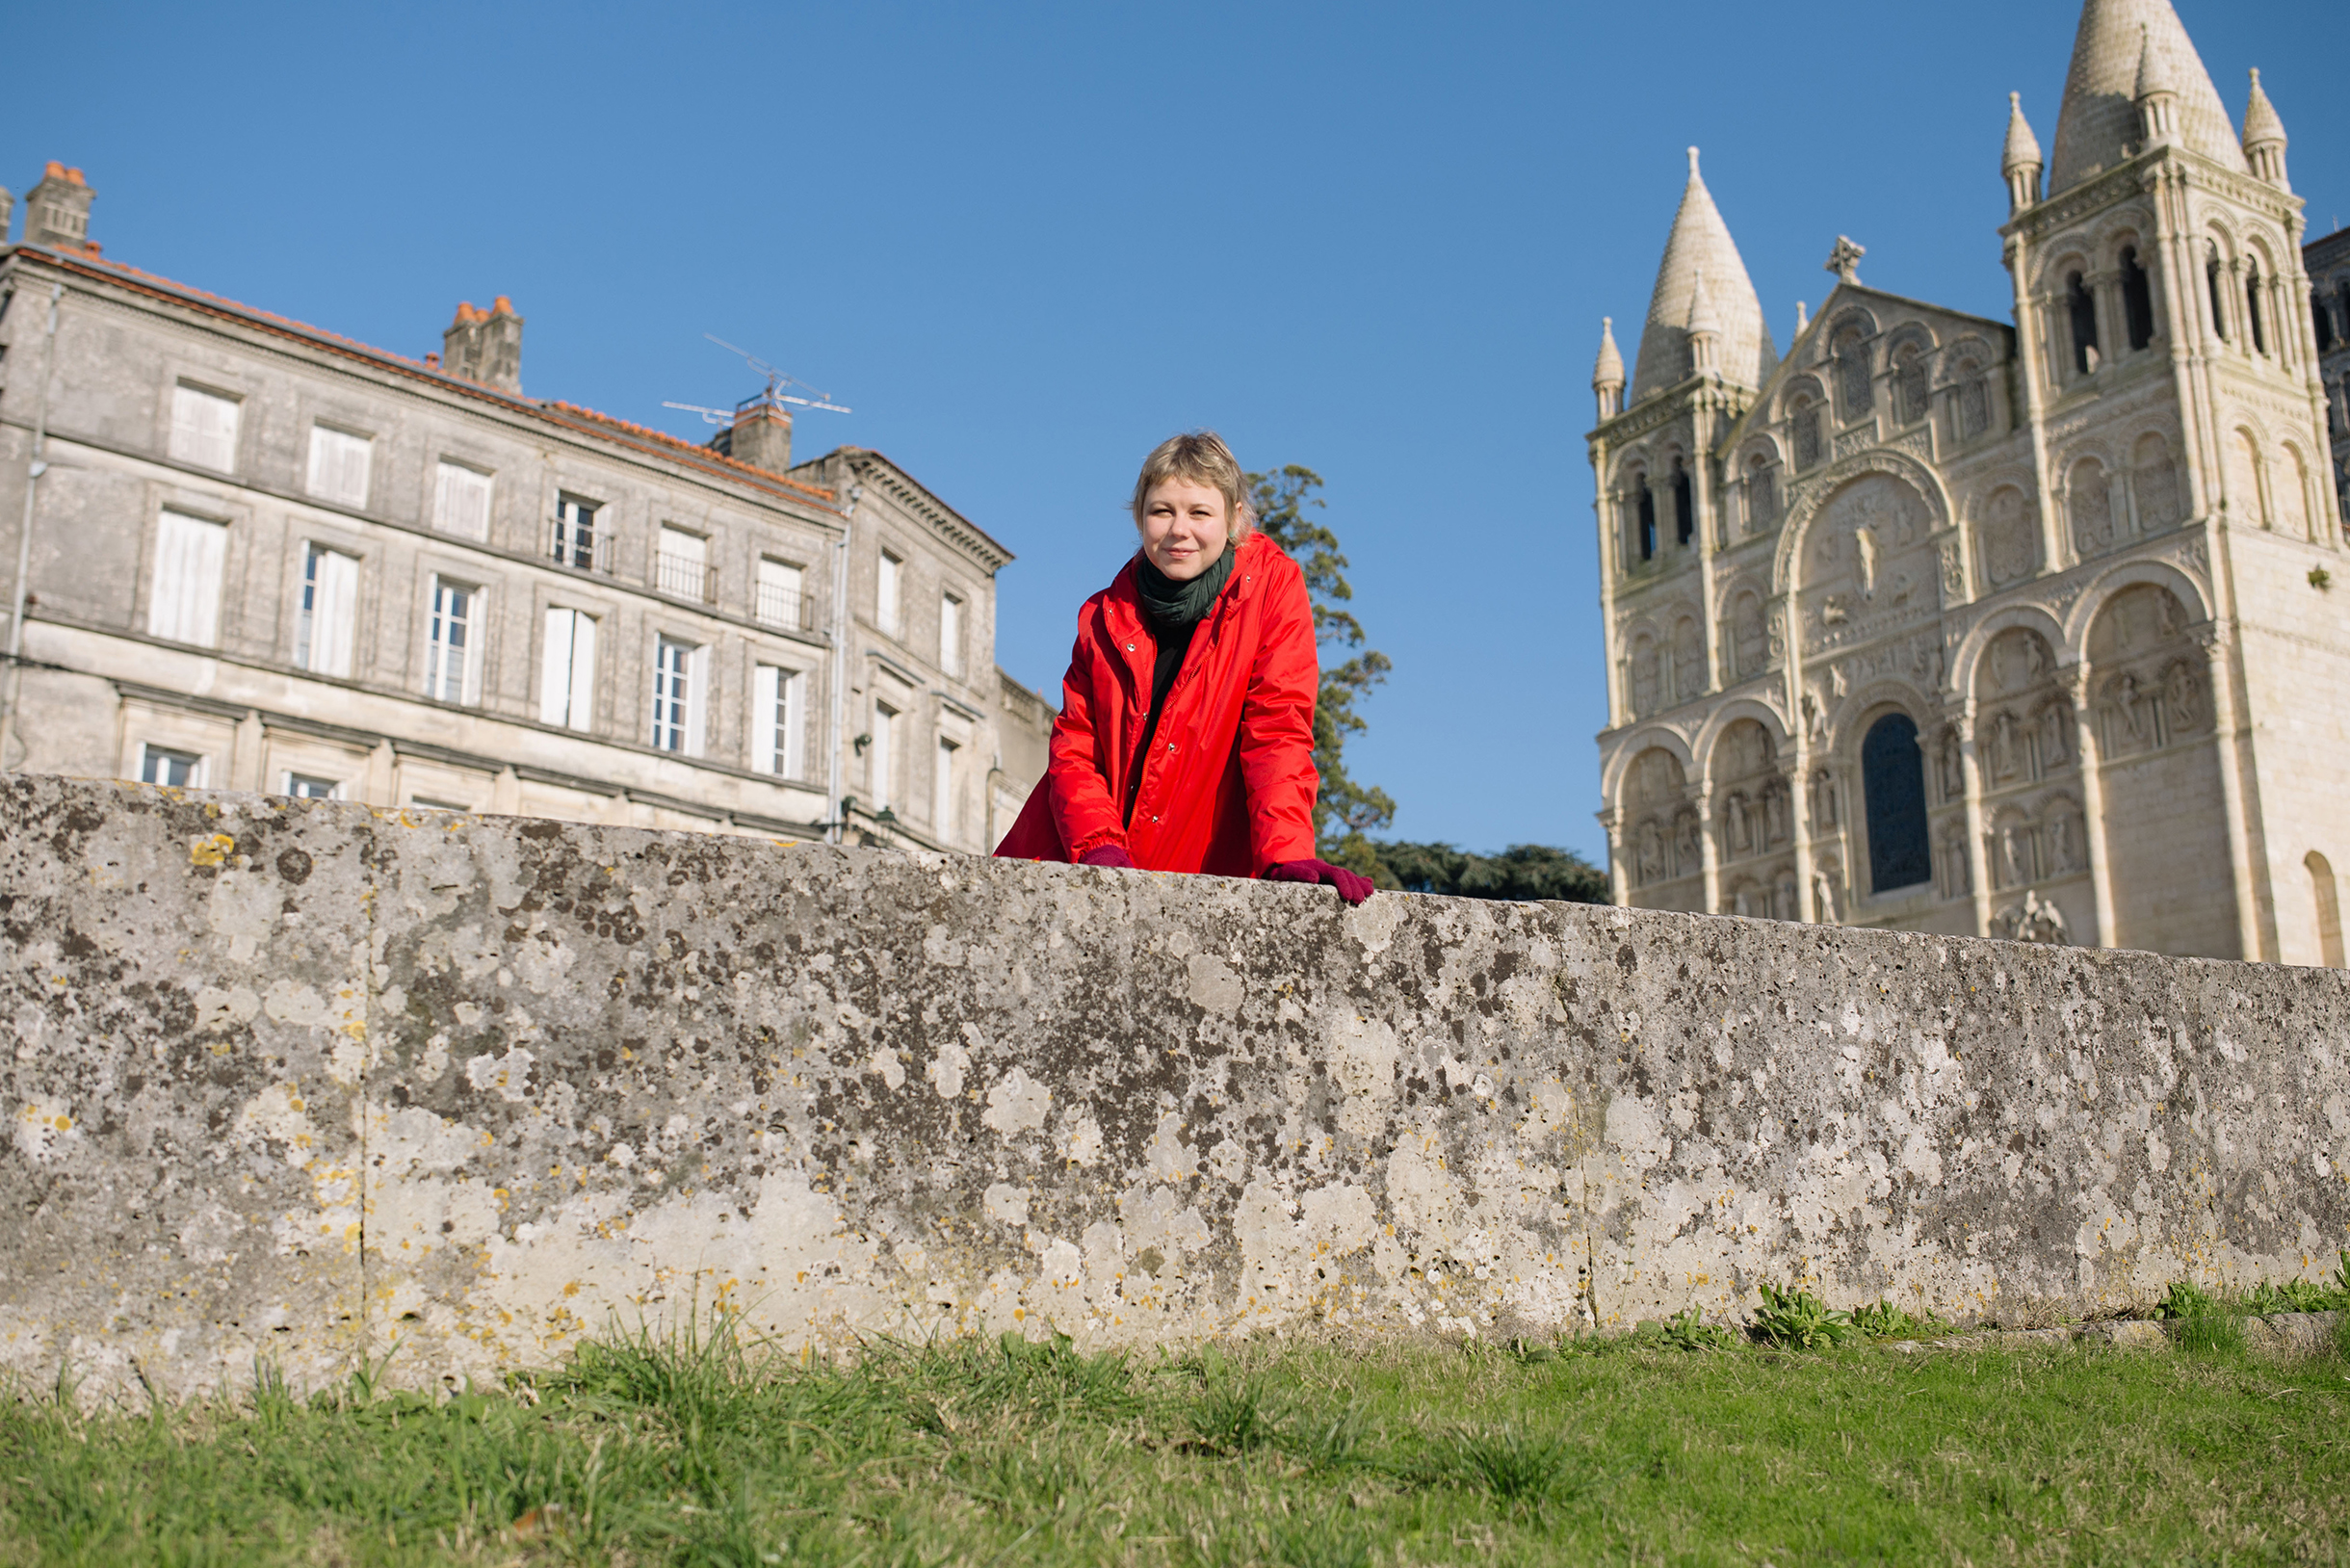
(634, 440)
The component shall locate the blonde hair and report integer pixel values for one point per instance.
(1201, 458)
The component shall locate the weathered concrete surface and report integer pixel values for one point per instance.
(302, 1079)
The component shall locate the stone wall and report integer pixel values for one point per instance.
(304, 1081)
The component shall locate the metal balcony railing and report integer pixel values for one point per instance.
(580, 546)
(681, 577)
(787, 609)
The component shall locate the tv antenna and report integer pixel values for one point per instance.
(776, 381)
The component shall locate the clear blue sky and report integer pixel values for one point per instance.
(1027, 242)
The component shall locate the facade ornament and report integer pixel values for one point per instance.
(2034, 920)
(1844, 261)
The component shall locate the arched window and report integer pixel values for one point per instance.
(1892, 779)
(1647, 504)
(1973, 402)
(1762, 493)
(2252, 308)
(1852, 372)
(2138, 299)
(1685, 513)
(1804, 420)
(2328, 909)
(1909, 373)
(2219, 299)
(2321, 315)
(2083, 311)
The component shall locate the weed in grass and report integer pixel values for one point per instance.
(1325, 1540)
(1328, 1439)
(1512, 1465)
(1235, 1414)
(1687, 1332)
(1798, 1321)
(2205, 1321)
(1882, 1321)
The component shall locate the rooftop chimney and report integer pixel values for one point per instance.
(486, 345)
(57, 210)
(762, 435)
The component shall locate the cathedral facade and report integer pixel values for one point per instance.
(2028, 629)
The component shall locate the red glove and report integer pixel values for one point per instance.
(1351, 886)
(1109, 855)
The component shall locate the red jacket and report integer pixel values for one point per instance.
(1229, 786)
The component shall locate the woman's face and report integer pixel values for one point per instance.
(1185, 528)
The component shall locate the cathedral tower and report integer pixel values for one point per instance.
(1953, 624)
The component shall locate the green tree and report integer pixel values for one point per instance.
(1344, 811)
(1523, 871)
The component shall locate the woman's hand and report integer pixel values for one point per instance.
(1109, 855)
(1351, 886)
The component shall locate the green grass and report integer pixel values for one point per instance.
(1672, 1445)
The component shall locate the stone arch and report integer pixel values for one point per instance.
(1657, 825)
(2193, 601)
(1829, 482)
(2154, 483)
(2090, 504)
(2297, 509)
(2326, 899)
(1616, 769)
(1735, 711)
(1967, 658)
(1849, 718)
(1909, 358)
(2246, 464)
(2118, 230)
(1853, 317)
(2076, 254)
(2159, 757)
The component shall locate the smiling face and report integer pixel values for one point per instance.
(1185, 528)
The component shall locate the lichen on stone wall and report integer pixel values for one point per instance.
(301, 1081)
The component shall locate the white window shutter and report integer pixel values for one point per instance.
(795, 724)
(555, 669)
(697, 699)
(766, 725)
(336, 620)
(185, 605)
(582, 670)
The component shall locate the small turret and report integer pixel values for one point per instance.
(2265, 136)
(1607, 376)
(2020, 161)
(2155, 94)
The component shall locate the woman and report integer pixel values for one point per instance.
(1186, 736)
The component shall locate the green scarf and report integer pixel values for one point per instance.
(1174, 606)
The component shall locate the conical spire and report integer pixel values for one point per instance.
(1607, 376)
(2023, 149)
(2265, 136)
(1700, 243)
(2098, 128)
(2260, 123)
(1702, 318)
(1609, 371)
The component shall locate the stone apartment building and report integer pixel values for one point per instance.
(2027, 628)
(245, 553)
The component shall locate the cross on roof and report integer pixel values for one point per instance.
(1844, 261)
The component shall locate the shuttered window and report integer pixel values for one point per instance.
(329, 610)
(184, 605)
(885, 734)
(204, 427)
(678, 679)
(460, 502)
(945, 795)
(950, 633)
(777, 720)
(339, 465)
(452, 643)
(885, 593)
(566, 673)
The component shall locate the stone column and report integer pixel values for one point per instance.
(1619, 883)
(379, 786)
(2087, 758)
(2213, 638)
(506, 792)
(1799, 828)
(1978, 851)
(1707, 854)
(245, 756)
(2032, 347)
(2112, 318)
(1703, 507)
